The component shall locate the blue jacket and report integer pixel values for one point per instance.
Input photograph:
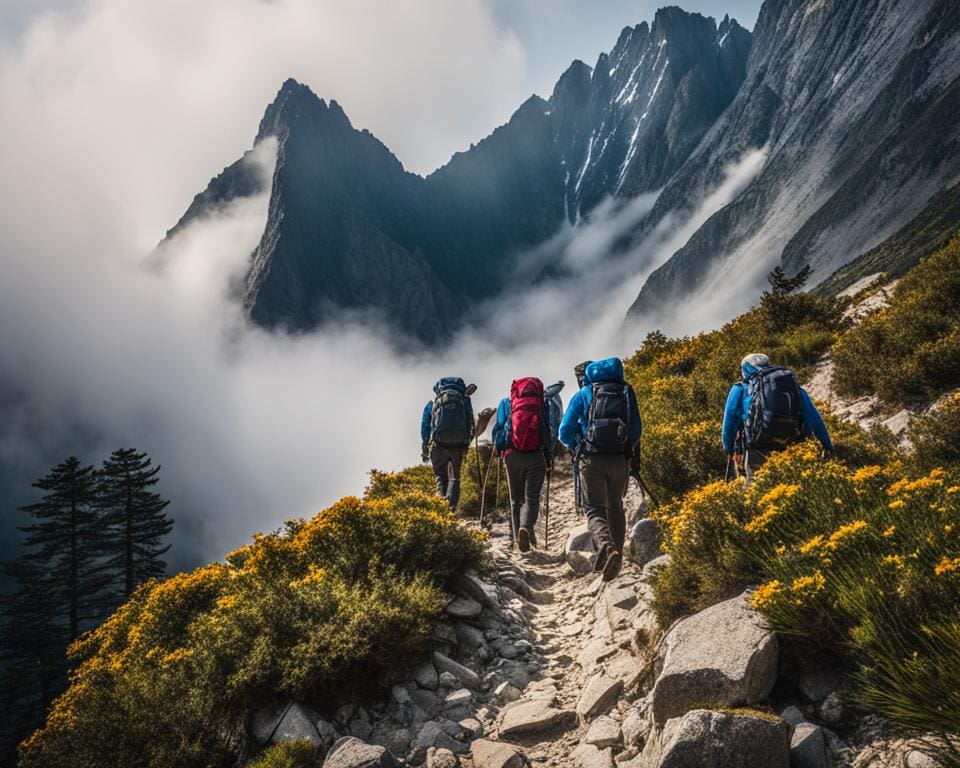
(501, 439)
(427, 418)
(574, 424)
(738, 408)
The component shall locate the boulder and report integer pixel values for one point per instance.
(589, 756)
(725, 656)
(636, 727)
(793, 715)
(579, 551)
(644, 543)
(598, 696)
(472, 586)
(432, 734)
(534, 716)
(463, 608)
(426, 676)
(808, 748)
(817, 684)
(295, 722)
(603, 732)
(831, 708)
(495, 754)
(704, 738)
(467, 676)
(350, 752)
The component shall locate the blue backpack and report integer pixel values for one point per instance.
(450, 426)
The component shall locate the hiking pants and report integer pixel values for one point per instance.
(446, 464)
(603, 482)
(526, 471)
(752, 461)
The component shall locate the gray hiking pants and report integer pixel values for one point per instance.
(526, 471)
(603, 482)
(446, 464)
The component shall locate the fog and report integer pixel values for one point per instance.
(251, 428)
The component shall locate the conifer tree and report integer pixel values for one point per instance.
(65, 544)
(134, 516)
(32, 660)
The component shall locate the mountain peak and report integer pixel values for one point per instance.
(293, 101)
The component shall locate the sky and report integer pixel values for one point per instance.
(116, 113)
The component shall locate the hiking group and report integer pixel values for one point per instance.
(765, 411)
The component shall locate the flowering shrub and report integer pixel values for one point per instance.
(328, 606)
(863, 561)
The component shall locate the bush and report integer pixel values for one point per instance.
(935, 437)
(859, 561)
(290, 754)
(335, 604)
(909, 352)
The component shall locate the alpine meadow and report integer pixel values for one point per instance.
(480, 384)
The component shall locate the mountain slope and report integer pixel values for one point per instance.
(349, 228)
(852, 102)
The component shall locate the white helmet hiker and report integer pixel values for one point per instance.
(752, 363)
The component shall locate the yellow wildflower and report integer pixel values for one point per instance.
(897, 504)
(866, 473)
(889, 532)
(844, 532)
(895, 560)
(808, 546)
(766, 595)
(947, 565)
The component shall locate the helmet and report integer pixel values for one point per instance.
(752, 363)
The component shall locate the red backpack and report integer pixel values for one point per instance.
(526, 414)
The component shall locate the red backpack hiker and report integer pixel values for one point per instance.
(526, 414)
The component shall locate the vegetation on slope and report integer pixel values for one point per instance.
(859, 553)
(910, 352)
(314, 612)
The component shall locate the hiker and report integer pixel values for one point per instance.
(602, 427)
(765, 412)
(446, 430)
(578, 372)
(525, 434)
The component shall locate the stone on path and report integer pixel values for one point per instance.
(644, 542)
(463, 608)
(536, 716)
(441, 758)
(598, 696)
(465, 675)
(293, 723)
(603, 732)
(426, 676)
(472, 586)
(703, 738)
(808, 748)
(589, 756)
(726, 655)
(495, 754)
(579, 551)
(350, 752)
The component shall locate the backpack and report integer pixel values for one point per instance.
(528, 424)
(553, 407)
(449, 424)
(608, 419)
(774, 418)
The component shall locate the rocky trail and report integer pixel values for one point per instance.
(541, 664)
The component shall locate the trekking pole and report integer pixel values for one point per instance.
(496, 503)
(646, 491)
(546, 511)
(483, 490)
(480, 483)
(726, 475)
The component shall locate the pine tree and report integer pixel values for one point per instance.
(135, 517)
(33, 637)
(65, 544)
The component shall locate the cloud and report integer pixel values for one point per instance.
(112, 120)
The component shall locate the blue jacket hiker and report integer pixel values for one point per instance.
(446, 429)
(767, 411)
(602, 426)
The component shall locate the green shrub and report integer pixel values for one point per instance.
(335, 604)
(861, 561)
(909, 352)
(290, 754)
(936, 437)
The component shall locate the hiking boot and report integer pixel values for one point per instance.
(600, 560)
(523, 540)
(611, 568)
